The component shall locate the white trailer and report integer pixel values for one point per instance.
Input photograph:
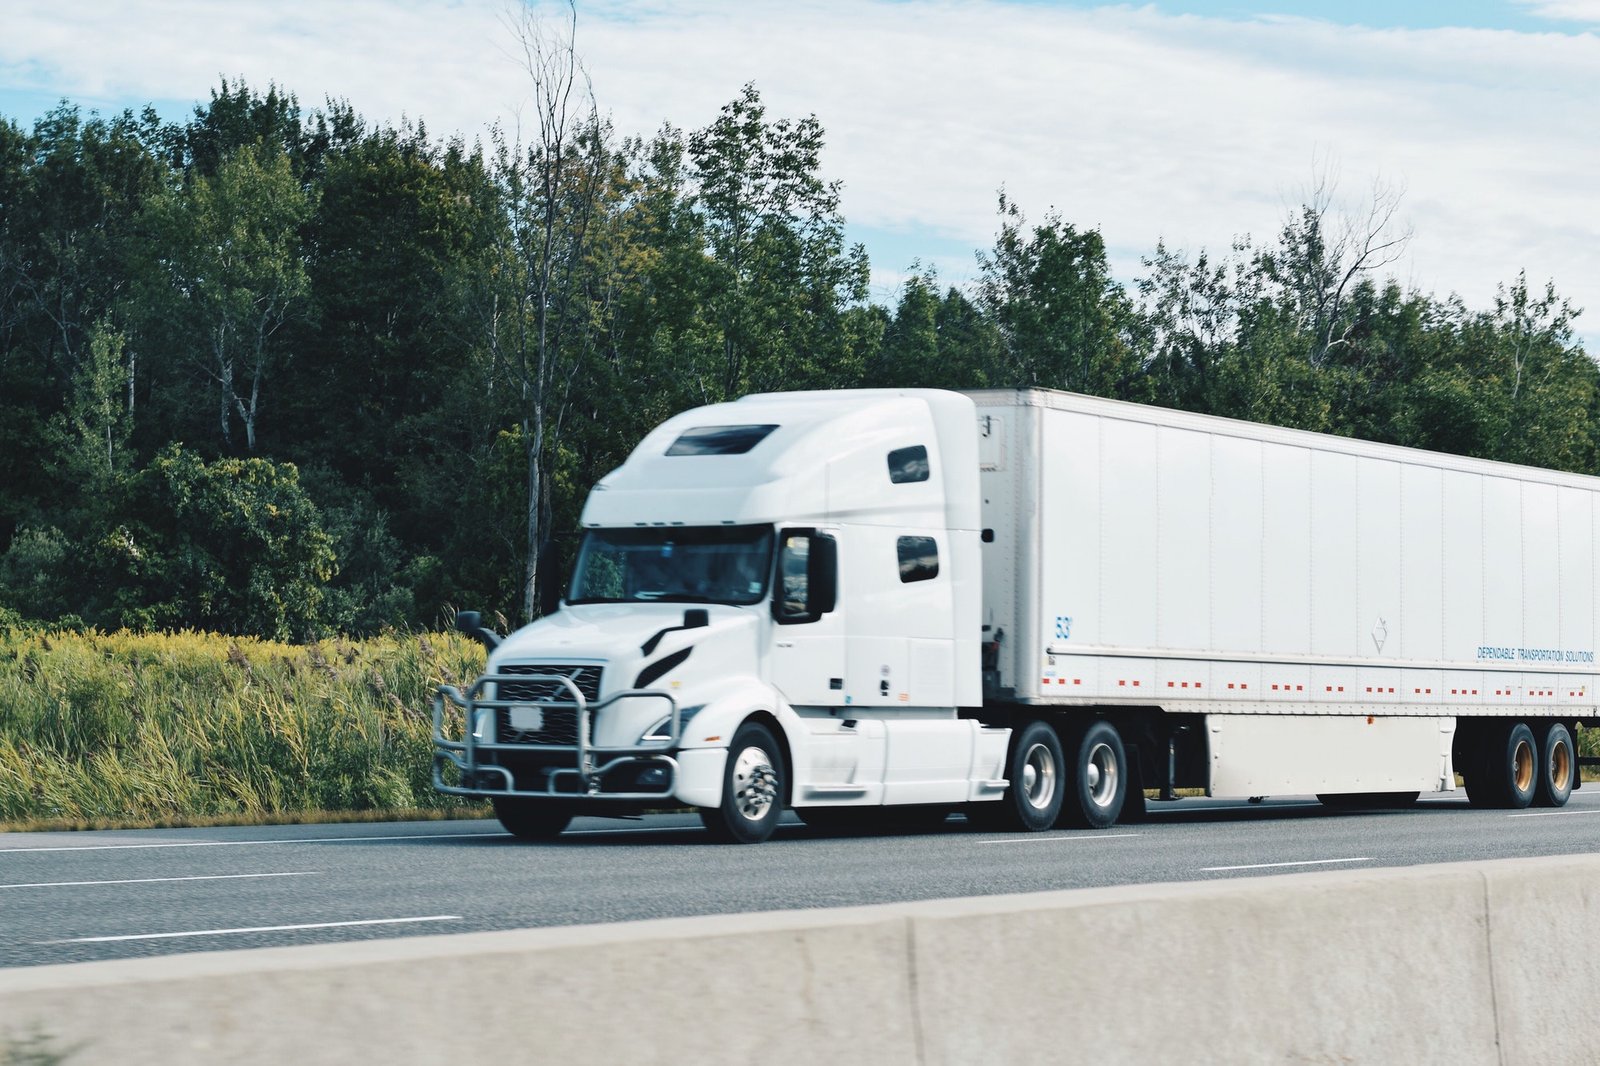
(1032, 606)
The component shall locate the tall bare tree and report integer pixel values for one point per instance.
(1325, 251)
(552, 184)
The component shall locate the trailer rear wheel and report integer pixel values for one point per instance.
(1099, 784)
(531, 819)
(752, 789)
(1511, 766)
(1557, 765)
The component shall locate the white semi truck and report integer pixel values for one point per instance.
(882, 606)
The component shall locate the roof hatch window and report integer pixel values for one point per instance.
(908, 464)
(719, 440)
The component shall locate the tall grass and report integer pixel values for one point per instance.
(127, 727)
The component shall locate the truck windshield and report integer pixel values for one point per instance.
(683, 564)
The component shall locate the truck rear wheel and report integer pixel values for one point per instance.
(531, 819)
(752, 789)
(1099, 783)
(1036, 769)
(1557, 765)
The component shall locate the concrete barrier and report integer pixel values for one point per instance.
(1491, 962)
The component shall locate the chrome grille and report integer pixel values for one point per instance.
(553, 698)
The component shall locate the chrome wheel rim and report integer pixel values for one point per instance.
(1039, 776)
(755, 784)
(1101, 773)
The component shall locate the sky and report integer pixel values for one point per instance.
(1191, 122)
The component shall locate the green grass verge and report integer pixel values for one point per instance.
(127, 729)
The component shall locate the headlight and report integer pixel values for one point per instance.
(662, 730)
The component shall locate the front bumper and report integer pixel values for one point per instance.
(485, 768)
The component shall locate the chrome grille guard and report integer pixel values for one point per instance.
(463, 753)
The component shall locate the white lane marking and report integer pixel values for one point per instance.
(1271, 865)
(1063, 838)
(153, 880)
(1552, 814)
(251, 929)
(240, 843)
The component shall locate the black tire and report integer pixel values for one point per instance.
(1097, 788)
(1036, 768)
(1558, 765)
(531, 819)
(1511, 765)
(753, 789)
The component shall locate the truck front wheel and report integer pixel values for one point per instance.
(531, 819)
(1099, 783)
(752, 789)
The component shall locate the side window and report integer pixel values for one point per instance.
(919, 559)
(908, 464)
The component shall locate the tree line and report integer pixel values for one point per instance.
(286, 372)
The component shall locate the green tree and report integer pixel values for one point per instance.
(1064, 322)
(229, 249)
(91, 438)
(933, 341)
(233, 545)
(781, 276)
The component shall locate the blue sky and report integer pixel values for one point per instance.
(1187, 122)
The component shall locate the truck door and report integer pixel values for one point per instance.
(808, 646)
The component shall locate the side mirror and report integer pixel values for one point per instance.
(470, 623)
(808, 577)
(822, 575)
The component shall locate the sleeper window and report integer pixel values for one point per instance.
(908, 464)
(919, 559)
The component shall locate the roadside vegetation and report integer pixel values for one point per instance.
(189, 728)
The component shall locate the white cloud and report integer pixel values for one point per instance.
(1147, 125)
(1565, 10)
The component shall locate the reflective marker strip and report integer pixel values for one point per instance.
(251, 929)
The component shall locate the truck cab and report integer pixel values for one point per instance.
(775, 603)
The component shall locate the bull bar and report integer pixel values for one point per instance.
(463, 753)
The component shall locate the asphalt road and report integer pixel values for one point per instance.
(70, 897)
